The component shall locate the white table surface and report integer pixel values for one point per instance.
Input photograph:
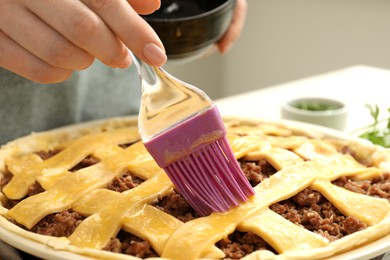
(356, 86)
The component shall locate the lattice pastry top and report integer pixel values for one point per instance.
(93, 188)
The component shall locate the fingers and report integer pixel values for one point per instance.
(130, 28)
(236, 26)
(18, 60)
(81, 26)
(35, 36)
(59, 37)
(103, 28)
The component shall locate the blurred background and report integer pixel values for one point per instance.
(288, 40)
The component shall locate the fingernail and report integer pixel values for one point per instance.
(158, 3)
(154, 54)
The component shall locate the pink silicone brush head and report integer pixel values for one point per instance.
(198, 159)
(185, 134)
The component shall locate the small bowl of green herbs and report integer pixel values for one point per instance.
(316, 110)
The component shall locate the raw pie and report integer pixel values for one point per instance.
(92, 189)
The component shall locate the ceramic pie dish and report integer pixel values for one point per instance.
(83, 190)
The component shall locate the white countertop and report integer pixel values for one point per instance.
(355, 86)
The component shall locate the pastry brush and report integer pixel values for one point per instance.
(183, 131)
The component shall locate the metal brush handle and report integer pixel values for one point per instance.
(165, 101)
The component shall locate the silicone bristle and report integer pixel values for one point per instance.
(210, 178)
(198, 159)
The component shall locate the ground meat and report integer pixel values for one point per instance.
(239, 244)
(124, 146)
(86, 162)
(307, 198)
(58, 224)
(5, 179)
(314, 212)
(257, 171)
(351, 225)
(175, 205)
(11, 203)
(35, 189)
(378, 187)
(124, 183)
(47, 154)
(129, 244)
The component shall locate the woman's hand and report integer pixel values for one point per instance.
(46, 40)
(234, 31)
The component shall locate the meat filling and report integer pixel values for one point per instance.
(129, 244)
(314, 212)
(378, 187)
(124, 183)
(58, 224)
(239, 244)
(175, 205)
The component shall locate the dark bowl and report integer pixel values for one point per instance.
(188, 27)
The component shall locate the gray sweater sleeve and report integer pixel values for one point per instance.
(96, 93)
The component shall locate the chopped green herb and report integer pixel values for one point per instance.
(374, 132)
(315, 106)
